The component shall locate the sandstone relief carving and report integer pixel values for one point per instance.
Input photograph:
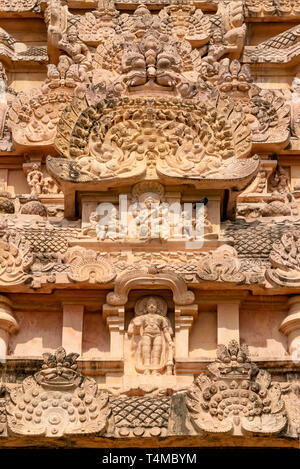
(283, 48)
(20, 5)
(13, 50)
(165, 144)
(39, 183)
(34, 115)
(151, 334)
(88, 266)
(57, 401)
(290, 396)
(284, 259)
(272, 7)
(221, 265)
(15, 261)
(236, 397)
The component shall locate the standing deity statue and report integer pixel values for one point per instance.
(151, 334)
(295, 107)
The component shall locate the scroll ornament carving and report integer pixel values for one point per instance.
(34, 115)
(151, 334)
(285, 260)
(221, 265)
(236, 397)
(15, 261)
(129, 280)
(57, 401)
(88, 266)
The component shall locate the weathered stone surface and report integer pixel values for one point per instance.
(150, 200)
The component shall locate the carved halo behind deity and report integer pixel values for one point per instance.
(141, 305)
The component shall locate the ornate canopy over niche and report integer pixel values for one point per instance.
(128, 139)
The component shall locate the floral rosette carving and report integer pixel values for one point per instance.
(57, 401)
(236, 397)
(88, 266)
(221, 265)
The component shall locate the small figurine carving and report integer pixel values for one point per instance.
(153, 332)
(40, 184)
(295, 107)
(35, 180)
(78, 51)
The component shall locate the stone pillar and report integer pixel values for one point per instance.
(228, 322)
(290, 326)
(114, 317)
(72, 327)
(184, 319)
(8, 325)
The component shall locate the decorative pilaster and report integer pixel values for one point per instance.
(114, 317)
(8, 325)
(290, 326)
(72, 327)
(228, 322)
(184, 319)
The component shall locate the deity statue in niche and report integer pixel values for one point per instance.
(295, 107)
(151, 334)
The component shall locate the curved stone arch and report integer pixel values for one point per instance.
(125, 283)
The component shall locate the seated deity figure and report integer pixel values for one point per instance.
(151, 334)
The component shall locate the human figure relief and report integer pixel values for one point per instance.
(35, 180)
(78, 51)
(295, 107)
(151, 334)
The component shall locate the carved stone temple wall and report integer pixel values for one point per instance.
(149, 223)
